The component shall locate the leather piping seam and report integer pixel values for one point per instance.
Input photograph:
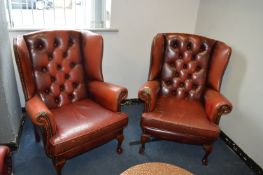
(198, 129)
(151, 129)
(73, 148)
(84, 135)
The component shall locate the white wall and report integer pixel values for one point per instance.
(127, 52)
(10, 109)
(239, 23)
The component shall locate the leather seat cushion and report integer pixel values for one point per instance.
(82, 122)
(180, 116)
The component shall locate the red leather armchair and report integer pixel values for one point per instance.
(66, 96)
(182, 95)
(5, 161)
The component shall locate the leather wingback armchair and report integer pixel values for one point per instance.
(182, 95)
(5, 161)
(66, 96)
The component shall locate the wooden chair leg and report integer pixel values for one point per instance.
(208, 149)
(144, 139)
(37, 137)
(58, 165)
(120, 139)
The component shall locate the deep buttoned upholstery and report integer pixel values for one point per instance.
(66, 96)
(185, 65)
(182, 95)
(57, 66)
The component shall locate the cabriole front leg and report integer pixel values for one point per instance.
(144, 139)
(208, 149)
(58, 165)
(120, 139)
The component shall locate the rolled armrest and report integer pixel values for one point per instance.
(216, 105)
(148, 93)
(41, 115)
(4, 152)
(108, 95)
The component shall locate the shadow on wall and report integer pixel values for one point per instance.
(240, 124)
(234, 79)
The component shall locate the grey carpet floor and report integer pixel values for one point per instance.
(30, 158)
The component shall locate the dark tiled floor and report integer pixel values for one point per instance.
(30, 158)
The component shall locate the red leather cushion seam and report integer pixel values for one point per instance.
(90, 133)
(184, 127)
(86, 143)
(74, 147)
(187, 134)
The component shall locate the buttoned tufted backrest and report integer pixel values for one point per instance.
(57, 66)
(54, 65)
(182, 63)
